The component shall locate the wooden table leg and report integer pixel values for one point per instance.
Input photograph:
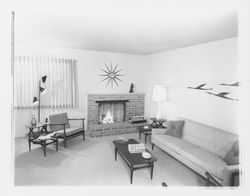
(29, 145)
(29, 139)
(116, 153)
(153, 146)
(131, 174)
(140, 135)
(44, 147)
(152, 169)
(56, 144)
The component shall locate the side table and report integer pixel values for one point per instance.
(41, 137)
(146, 130)
(157, 123)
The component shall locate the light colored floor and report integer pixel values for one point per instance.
(91, 162)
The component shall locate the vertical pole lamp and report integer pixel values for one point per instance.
(40, 90)
(159, 95)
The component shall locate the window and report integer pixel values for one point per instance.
(60, 83)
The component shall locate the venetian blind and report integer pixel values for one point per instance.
(60, 83)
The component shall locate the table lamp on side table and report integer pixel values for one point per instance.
(159, 95)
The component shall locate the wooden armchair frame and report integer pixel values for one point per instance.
(65, 136)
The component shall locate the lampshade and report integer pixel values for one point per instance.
(35, 101)
(159, 93)
(42, 90)
(44, 79)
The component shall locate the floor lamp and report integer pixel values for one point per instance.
(41, 90)
(159, 94)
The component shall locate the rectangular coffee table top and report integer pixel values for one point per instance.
(132, 158)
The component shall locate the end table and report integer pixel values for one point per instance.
(146, 130)
(157, 123)
(41, 137)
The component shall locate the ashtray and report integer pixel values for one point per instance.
(146, 155)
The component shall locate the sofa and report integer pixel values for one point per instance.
(202, 148)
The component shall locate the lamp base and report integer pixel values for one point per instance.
(158, 115)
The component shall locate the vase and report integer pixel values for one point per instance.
(33, 119)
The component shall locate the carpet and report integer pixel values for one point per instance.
(91, 162)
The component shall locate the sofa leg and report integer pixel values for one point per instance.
(207, 182)
(64, 143)
(153, 146)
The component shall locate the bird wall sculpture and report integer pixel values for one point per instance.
(200, 87)
(223, 95)
(234, 84)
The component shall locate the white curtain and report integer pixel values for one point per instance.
(60, 83)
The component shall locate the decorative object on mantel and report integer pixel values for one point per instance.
(42, 90)
(137, 119)
(131, 88)
(159, 95)
(200, 87)
(220, 94)
(111, 75)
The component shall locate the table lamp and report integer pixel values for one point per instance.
(159, 95)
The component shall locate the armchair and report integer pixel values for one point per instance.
(59, 123)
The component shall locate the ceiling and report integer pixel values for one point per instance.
(136, 27)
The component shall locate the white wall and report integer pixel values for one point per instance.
(211, 63)
(88, 79)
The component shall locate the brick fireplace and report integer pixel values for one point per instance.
(120, 106)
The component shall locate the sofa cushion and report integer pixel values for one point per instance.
(174, 128)
(209, 138)
(232, 157)
(206, 160)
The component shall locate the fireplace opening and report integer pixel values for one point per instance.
(112, 111)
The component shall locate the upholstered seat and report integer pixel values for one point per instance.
(69, 131)
(59, 123)
(192, 153)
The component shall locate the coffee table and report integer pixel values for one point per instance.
(134, 161)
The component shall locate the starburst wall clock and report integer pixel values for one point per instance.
(112, 75)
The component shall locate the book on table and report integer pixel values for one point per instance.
(136, 148)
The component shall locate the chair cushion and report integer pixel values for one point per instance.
(61, 118)
(69, 131)
(174, 128)
(232, 157)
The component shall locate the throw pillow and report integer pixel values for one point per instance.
(232, 157)
(174, 128)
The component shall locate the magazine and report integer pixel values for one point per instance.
(136, 148)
